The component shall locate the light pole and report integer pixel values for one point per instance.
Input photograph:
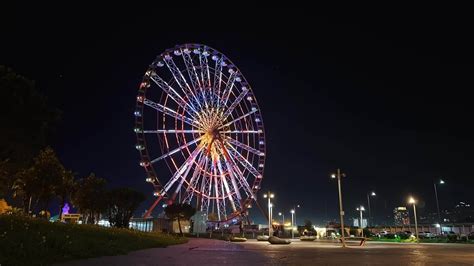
(413, 201)
(269, 196)
(338, 175)
(294, 208)
(292, 223)
(283, 219)
(368, 204)
(361, 209)
(436, 195)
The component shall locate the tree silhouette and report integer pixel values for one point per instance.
(89, 197)
(64, 189)
(179, 211)
(121, 203)
(27, 120)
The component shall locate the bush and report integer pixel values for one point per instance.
(452, 238)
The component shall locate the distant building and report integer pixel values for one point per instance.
(401, 216)
(463, 212)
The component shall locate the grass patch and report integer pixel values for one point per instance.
(28, 241)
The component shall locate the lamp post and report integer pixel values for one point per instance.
(361, 209)
(411, 200)
(283, 218)
(436, 195)
(292, 223)
(338, 175)
(269, 196)
(371, 194)
(294, 208)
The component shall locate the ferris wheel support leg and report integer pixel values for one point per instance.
(261, 210)
(147, 214)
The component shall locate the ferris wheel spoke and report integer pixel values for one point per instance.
(178, 76)
(222, 202)
(237, 174)
(242, 131)
(218, 79)
(183, 178)
(244, 146)
(226, 185)
(216, 192)
(238, 118)
(235, 103)
(244, 162)
(177, 131)
(176, 150)
(194, 179)
(204, 186)
(192, 73)
(169, 112)
(228, 87)
(188, 163)
(172, 93)
(205, 76)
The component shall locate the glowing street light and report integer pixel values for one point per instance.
(269, 196)
(338, 175)
(411, 200)
(283, 218)
(361, 209)
(436, 195)
(371, 194)
(292, 223)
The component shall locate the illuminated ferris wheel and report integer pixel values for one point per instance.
(196, 113)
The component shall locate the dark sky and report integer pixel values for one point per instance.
(386, 98)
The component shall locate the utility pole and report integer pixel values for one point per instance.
(338, 175)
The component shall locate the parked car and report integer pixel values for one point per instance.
(383, 233)
(426, 234)
(404, 234)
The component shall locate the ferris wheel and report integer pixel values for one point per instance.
(197, 114)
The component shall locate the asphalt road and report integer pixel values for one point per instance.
(215, 252)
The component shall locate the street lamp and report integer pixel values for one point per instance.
(269, 196)
(338, 175)
(371, 194)
(411, 200)
(361, 209)
(283, 219)
(292, 223)
(436, 195)
(294, 208)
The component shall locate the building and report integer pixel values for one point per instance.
(401, 216)
(463, 212)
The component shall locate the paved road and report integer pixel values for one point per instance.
(214, 252)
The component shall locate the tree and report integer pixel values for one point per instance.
(42, 181)
(64, 189)
(308, 226)
(89, 197)
(27, 121)
(121, 204)
(179, 211)
(26, 186)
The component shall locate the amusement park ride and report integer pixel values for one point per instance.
(197, 114)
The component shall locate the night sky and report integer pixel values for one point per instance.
(386, 98)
